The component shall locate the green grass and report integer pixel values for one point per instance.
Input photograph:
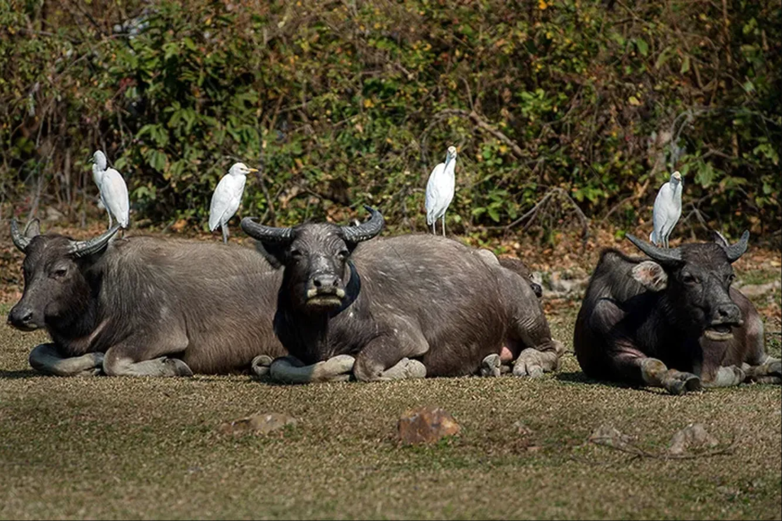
(148, 448)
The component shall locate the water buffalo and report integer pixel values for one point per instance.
(671, 320)
(144, 306)
(406, 306)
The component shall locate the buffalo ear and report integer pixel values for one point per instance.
(650, 275)
(720, 239)
(33, 228)
(274, 253)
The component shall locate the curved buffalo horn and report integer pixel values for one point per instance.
(94, 245)
(364, 231)
(734, 251)
(266, 233)
(20, 241)
(659, 254)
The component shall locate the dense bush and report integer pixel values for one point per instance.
(343, 103)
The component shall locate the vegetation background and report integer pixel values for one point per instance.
(565, 112)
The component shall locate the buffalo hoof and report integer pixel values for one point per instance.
(261, 364)
(178, 367)
(677, 382)
(405, 369)
(727, 377)
(491, 365)
(528, 365)
(290, 370)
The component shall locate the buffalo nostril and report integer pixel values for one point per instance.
(316, 283)
(335, 282)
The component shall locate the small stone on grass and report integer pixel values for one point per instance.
(426, 425)
(257, 424)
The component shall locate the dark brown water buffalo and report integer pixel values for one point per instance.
(406, 306)
(144, 306)
(671, 320)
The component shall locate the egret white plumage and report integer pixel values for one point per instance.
(227, 197)
(440, 189)
(667, 210)
(113, 190)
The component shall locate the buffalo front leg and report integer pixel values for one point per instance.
(635, 367)
(726, 376)
(389, 356)
(141, 357)
(291, 370)
(47, 359)
(768, 372)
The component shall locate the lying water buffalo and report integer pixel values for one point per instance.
(144, 306)
(671, 321)
(406, 306)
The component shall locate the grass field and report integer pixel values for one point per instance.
(149, 448)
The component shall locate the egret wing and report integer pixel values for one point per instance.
(660, 211)
(225, 200)
(434, 193)
(114, 193)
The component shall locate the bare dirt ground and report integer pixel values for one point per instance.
(151, 448)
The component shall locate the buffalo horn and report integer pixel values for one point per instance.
(659, 254)
(20, 241)
(734, 251)
(94, 245)
(364, 231)
(266, 233)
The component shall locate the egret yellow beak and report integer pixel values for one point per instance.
(252, 169)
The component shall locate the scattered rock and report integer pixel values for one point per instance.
(257, 424)
(53, 214)
(607, 434)
(758, 290)
(561, 284)
(426, 425)
(694, 436)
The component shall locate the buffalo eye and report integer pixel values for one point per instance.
(690, 279)
(343, 254)
(730, 278)
(59, 272)
(295, 254)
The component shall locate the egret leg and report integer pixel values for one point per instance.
(434, 224)
(443, 225)
(224, 229)
(110, 222)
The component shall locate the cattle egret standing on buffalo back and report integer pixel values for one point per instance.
(227, 197)
(667, 210)
(439, 190)
(113, 190)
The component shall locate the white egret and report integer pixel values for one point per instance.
(440, 189)
(227, 197)
(667, 210)
(112, 188)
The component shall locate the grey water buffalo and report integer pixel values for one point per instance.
(405, 306)
(144, 306)
(671, 320)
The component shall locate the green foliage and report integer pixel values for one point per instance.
(351, 103)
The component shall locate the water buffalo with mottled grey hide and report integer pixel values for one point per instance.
(672, 320)
(406, 306)
(145, 306)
